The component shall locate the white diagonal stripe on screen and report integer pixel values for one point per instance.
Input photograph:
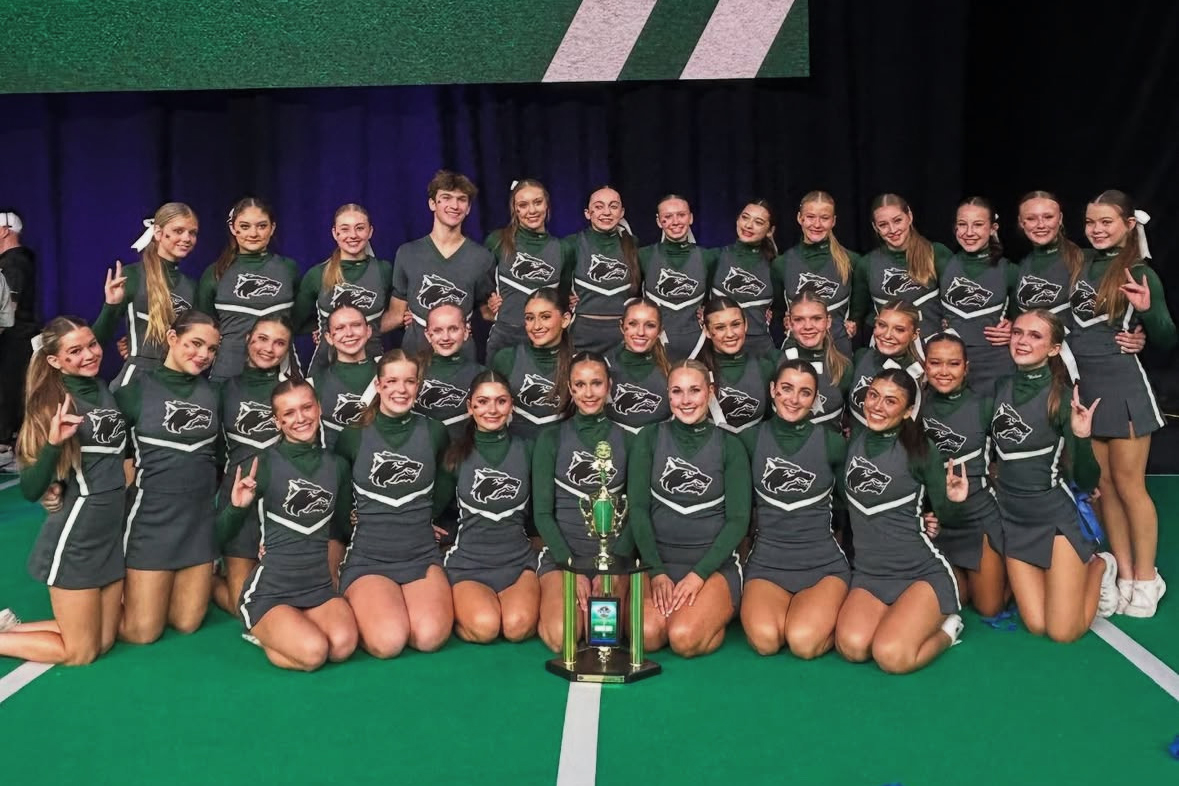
(599, 40)
(737, 39)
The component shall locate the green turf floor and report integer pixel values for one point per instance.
(1001, 708)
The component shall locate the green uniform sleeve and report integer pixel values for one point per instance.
(303, 314)
(206, 294)
(493, 242)
(640, 531)
(35, 479)
(568, 264)
(130, 400)
(1156, 320)
(504, 360)
(544, 460)
(341, 525)
(738, 508)
(711, 257)
(836, 450)
(444, 482)
(845, 381)
(931, 473)
(230, 519)
(348, 444)
(1082, 468)
(107, 324)
(861, 298)
(1012, 290)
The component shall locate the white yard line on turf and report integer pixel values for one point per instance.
(1142, 658)
(9, 483)
(21, 676)
(579, 738)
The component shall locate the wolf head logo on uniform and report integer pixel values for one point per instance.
(604, 268)
(737, 405)
(393, 469)
(1008, 425)
(529, 268)
(964, 293)
(820, 285)
(181, 416)
(947, 440)
(896, 281)
(305, 497)
(742, 282)
(254, 417)
(673, 283)
(680, 477)
(536, 392)
(634, 400)
(1084, 300)
(491, 484)
(353, 295)
(859, 390)
(582, 473)
(863, 477)
(1034, 291)
(349, 407)
(782, 477)
(252, 285)
(435, 394)
(107, 425)
(436, 290)
(179, 304)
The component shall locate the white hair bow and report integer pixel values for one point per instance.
(1143, 219)
(36, 342)
(149, 225)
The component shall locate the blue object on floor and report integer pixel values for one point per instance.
(1089, 524)
(1174, 748)
(1004, 620)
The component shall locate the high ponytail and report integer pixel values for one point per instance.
(45, 391)
(559, 395)
(839, 254)
(994, 244)
(507, 235)
(160, 312)
(231, 250)
(911, 435)
(1070, 252)
(919, 256)
(333, 276)
(1109, 293)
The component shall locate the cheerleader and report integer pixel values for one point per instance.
(977, 287)
(491, 566)
(677, 275)
(537, 370)
(904, 267)
(902, 608)
(446, 371)
(638, 369)
(527, 258)
(956, 418)
(746, 273)
(443, 267)
(289, 605)
(245, 284)
(248, 428)
(821, 264)
(1044, 276)
(811, 339)
(1115, 289)
(1059, 584)
(346, 384)
(169, 539)
(351, 276)
(895, 344)
(688, 490)
(796, 576)
(562, 476)
(74, 434)
(159, 292)
(392, 573)
(605, 274)
(741, 381)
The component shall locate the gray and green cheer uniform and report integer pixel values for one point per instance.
(638, 390)
(80, 546)
(304, 498)
(1043, 281)
(1034, 499)
(145, 355)
(539, 260)
(868, 363)
(794, 468)
(563, 476)
(494, 487)
(742, 390)
(886, 490)
(976, 295)
(532, 374)
(882, 275)
(395, 483)
(746, 277)
(425, 279)
(810, 266)
(1117, 378)
(959, 425)
(831, 396)
(175, 426)
(602, 283)
(367, 285)
(677, 277)
(345, 390)
(443, 391)
(248, 427)
(688, 492)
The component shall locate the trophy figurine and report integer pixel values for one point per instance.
(604, 659)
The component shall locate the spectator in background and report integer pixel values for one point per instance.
(18, 324)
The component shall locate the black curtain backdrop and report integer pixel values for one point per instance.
(932, 100)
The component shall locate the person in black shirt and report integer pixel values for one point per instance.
(18, 266)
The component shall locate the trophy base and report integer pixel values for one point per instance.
(616, 669)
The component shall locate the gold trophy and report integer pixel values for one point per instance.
(604, 659)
